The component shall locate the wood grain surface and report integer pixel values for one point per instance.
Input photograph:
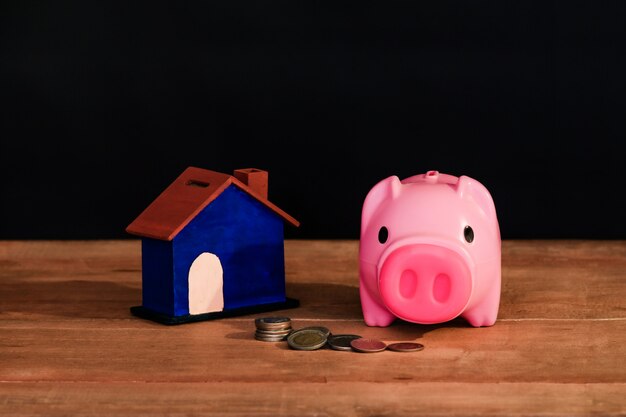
(70, 347)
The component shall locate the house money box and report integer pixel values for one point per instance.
(212, 247)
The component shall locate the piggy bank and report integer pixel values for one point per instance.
(429, 251)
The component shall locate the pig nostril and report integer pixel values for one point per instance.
(408, 283)
(441, 287)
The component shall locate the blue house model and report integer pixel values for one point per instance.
(212, 246)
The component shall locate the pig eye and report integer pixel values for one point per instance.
(468, 232)
(383, 234)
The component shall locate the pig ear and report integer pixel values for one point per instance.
(468, 188)
(389, 188)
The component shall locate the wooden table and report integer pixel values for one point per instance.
(69, 345)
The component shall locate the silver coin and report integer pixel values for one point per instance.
(274, 332)
(273, 319)
(272, 323)
(265, 338)
(342, 341)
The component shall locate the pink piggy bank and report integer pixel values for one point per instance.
(429, 251)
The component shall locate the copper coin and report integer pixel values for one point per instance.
(368, 345)
(405, 347)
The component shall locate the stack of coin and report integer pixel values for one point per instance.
(272, 329)
(278, 329)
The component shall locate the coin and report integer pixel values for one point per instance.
(272, 323)
(341, 341)
(273, 333)
(323, 329)
(265, 338)
(368, 345)
(273, 319)
(306, 339)
(405, 347)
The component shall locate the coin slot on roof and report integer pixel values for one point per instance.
(197, 183)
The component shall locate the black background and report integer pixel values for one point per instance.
(105, 103)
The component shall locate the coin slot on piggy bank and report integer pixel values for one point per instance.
(429, 251)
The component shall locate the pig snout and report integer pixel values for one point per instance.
(425, 283)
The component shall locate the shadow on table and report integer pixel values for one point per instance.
(338, 306)
(75, 298)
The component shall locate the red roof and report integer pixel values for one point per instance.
(184, 198)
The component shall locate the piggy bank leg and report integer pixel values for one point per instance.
(374, 313)
(486, 313)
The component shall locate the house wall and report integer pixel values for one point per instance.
(157, 267)
(247, 237)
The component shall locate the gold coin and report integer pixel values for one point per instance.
(306, 339)
(323, 329)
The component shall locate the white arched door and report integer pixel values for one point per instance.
(206, 284)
